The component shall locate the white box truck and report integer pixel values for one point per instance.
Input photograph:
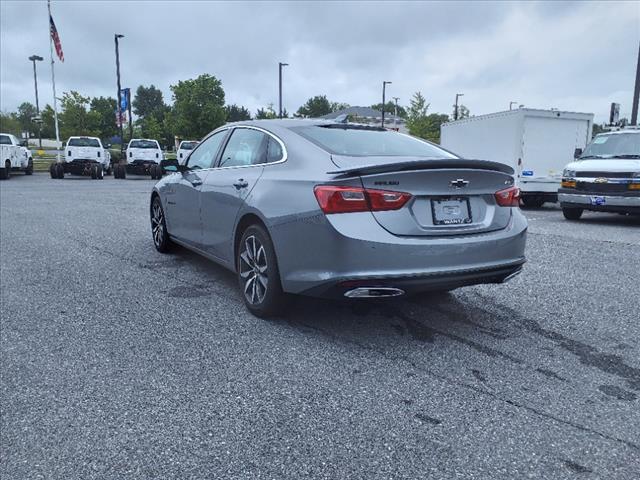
(537, 144)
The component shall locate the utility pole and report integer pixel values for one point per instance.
(34, 59)
(636, 94)
(117, 36)
(511, 104)
(455, 110)
(384, 86)
(395, 112)
(280, 65)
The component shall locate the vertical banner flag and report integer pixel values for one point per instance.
(125, 100)
(56, 39)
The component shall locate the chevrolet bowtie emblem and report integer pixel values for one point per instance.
(458, 183)
(601, 180)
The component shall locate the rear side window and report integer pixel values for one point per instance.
(245, 147)
(363, 141)
(84, 142)
(5, 140)
(274, 150)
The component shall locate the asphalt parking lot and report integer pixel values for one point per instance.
(120, 362)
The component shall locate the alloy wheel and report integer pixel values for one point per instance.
(253, 270)
(157, 223)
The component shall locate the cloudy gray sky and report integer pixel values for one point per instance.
(572, 56)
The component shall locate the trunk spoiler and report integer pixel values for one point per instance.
(423, 164)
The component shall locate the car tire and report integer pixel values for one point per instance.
(99, 172)
(94, 172)
(258, 274)
(5, 173)
(29, 170)
(161, 239)
(572, 213)
(53, 171)
(152, 171)
(109, 170)
(59, 171)
(123, 172)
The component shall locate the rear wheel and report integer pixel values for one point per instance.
(53, 171)
(258, 274)
(5, 173)
(29, 170)
(572, 213)
(152, 171)
(123, 171)
(161, 239)
(99, 172)
(94, 172)
(59, 171)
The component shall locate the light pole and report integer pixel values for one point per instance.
(117, 36)
(280, 65)
(636, 94)
(455, 111)
(395, 112)
(34, 59)
(511, 104)
(384, 87)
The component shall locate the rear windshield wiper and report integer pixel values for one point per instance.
(593, 156)
(628, 155)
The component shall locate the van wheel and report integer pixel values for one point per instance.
(99, 172)
(29, 170)
(59, 171)
(258, 274)
(94, 172)
(572, 213)
(53, 171)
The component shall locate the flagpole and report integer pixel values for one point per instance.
(53, 82)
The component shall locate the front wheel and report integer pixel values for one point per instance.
(59, 171)
(29, 170)
(161, 239)
(572, 213)
(258, 274)
(5, 173)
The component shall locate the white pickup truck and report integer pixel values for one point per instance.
(83, 156)
(605, 177)
(13, 156)
(144, 157)
(184, 149)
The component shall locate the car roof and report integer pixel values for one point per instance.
(83, 136)
(282, 123)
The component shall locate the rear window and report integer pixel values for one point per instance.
(143, 144)
(357, 141)
(83, 142)
(188, 145)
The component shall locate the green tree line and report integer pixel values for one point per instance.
(198, 106)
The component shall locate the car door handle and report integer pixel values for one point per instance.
(241, 183)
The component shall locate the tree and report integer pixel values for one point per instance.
(74, 117)
(266, 113)
(148, 101)
(102, 117)
(48, 122)
(25, 114)
(9, 123)
(463, 112)
(420, 123)
(315, 107)
(390, 107)
(237, 113)
(198, 106)
(337, 106)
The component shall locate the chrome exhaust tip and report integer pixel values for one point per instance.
(511, 276)
(374, 292)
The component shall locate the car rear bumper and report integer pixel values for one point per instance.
(328, 256)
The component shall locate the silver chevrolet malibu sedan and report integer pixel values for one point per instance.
(334, 209)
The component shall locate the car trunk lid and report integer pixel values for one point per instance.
(450, 196)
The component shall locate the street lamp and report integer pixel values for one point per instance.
(384, 86)
(455, 111)
(34, 59)
(116, 37)
(395, 112)
(280, 65)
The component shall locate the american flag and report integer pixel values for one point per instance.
(56, 39)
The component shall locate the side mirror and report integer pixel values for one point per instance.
(577, 152)
(24, 143)
(64, 144)
(108, 145)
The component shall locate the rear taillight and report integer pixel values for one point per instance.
(509, 197)
(334, 199)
